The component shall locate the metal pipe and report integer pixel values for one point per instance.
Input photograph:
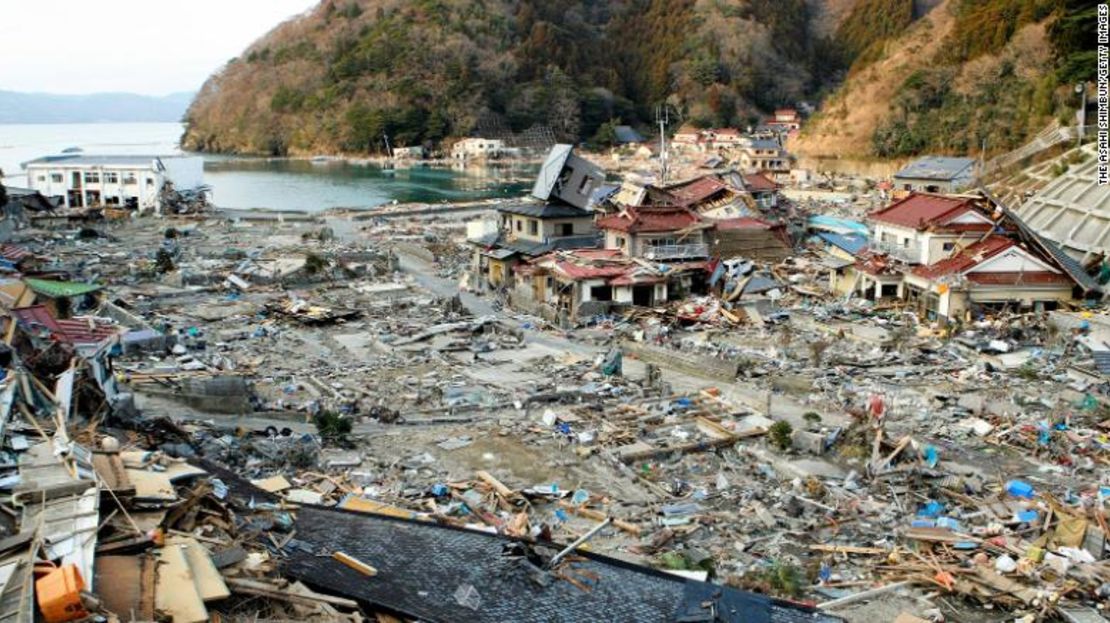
(579, 541)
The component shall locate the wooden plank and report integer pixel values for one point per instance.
(597, 515)
(262, 589)
(849, 549)
(355, 564)
(209, 583)
(497, 485)
(273, 484)
(176, 592)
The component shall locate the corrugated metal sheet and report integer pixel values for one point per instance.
(60, 289)
(548, 174)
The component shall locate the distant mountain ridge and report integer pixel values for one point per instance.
(16, 107)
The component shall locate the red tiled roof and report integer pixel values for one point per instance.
(920, 210)
(726, 131)
(586, 271)
(37, 319)
(630, 278)
(967, 258)
(758, 182)
(1040, 277)
(13, 253)
(696, 190)
(649, 219)
(742, 222)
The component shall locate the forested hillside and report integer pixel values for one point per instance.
(905, 76)
(340, 77)
(970, 76)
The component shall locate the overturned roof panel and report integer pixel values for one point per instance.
(548, 175)
(438, 573)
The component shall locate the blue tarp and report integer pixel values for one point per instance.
(837, 225)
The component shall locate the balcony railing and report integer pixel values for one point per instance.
(676, 251)
(910, 254)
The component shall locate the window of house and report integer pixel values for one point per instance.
(56, 178)
(111, 177)
(889, 237)
(621, 242)
(533, 227)
(519, 225)
(129, 178)
(905, 243)
(150, 181)
(601, 293)
(584, 187)
(948, 246)
(566, 229)
(92, 177)
(42, 178)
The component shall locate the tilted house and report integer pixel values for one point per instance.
(559, 217)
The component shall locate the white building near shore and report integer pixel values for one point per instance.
(116, 181)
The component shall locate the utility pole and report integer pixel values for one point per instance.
(1081, 116)
(663, 116)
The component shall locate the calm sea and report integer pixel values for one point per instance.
(265, 183)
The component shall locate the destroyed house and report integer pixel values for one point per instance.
(707, 195)
(528, 230)
(64, 298)
(750, 238)
(994, 272)
(764, 191)
(589, 282)
(656, 233)
(23, 202)
(39, 324)
(123, 181)
(923, 227)
(872, 276)
(567, 177)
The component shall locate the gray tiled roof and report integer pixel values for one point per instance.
(535, 249)
(937, 168)
(545, 210)
(440, 573)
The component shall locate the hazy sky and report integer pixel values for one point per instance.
(152, 47)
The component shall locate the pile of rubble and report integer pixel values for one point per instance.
(280, 420)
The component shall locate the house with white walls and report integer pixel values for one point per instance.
(124, 181)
